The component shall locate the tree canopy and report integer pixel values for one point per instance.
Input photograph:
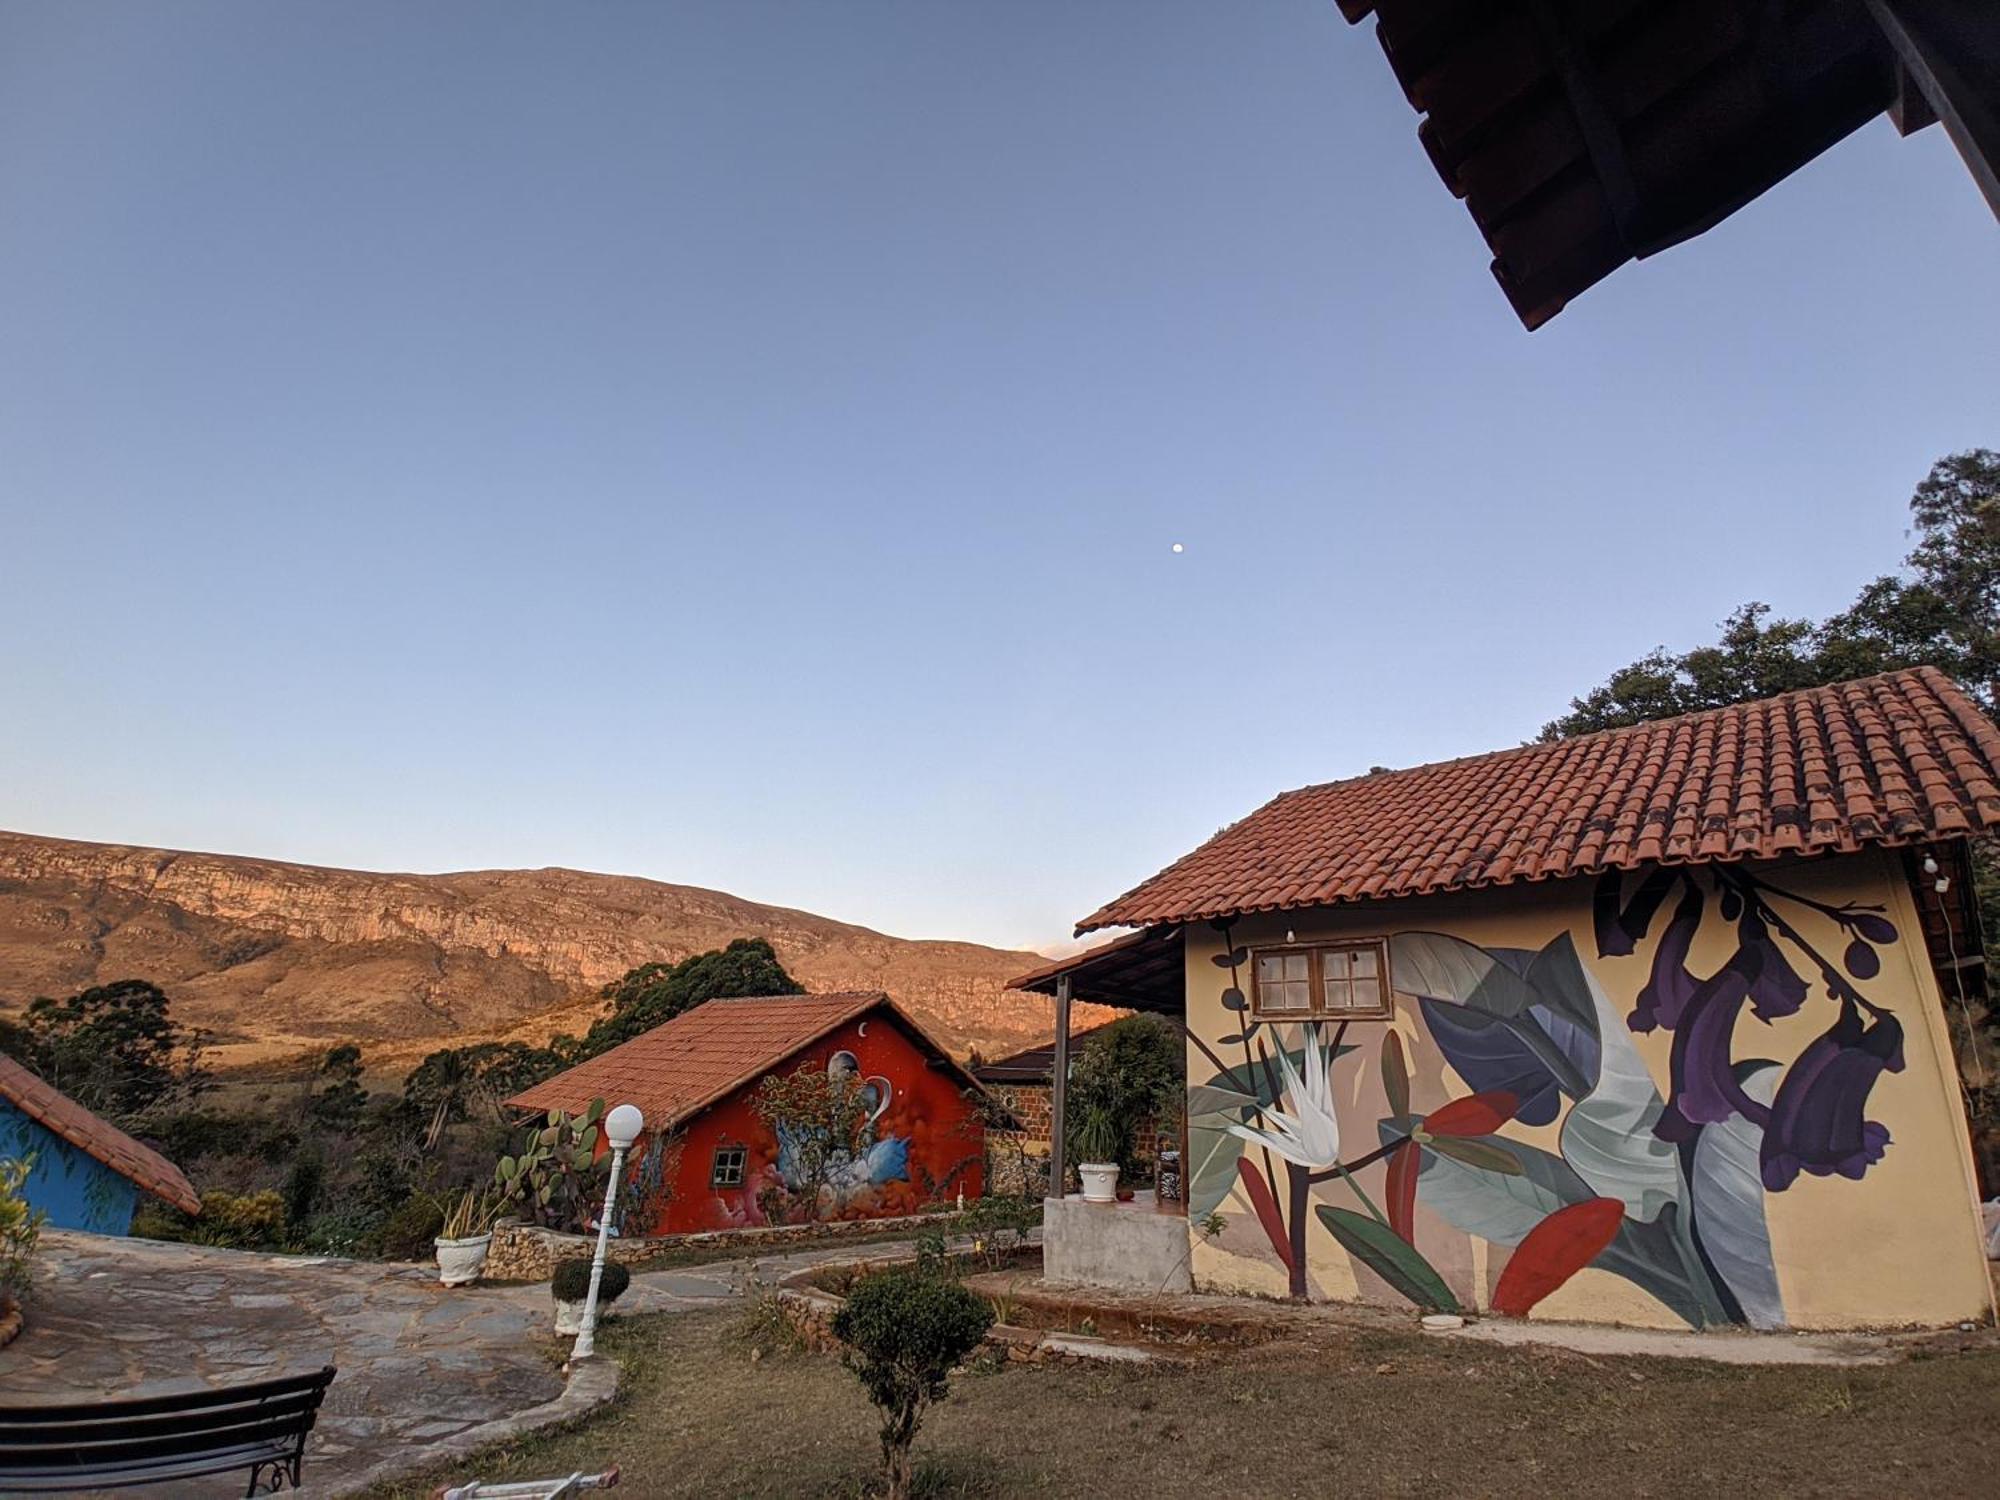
(653, 994)
(1942, 609)
(114, 1048)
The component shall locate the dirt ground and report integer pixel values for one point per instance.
(1348, 1411)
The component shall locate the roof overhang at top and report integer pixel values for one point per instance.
(1139, 971)
(1901, 759)
(1586, 133)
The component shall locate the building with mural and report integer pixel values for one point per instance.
(1645, 1026)
(86, 1173)
(714, 1161)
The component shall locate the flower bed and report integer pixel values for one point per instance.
(809, 1300)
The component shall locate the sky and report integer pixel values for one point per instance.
(744, 444)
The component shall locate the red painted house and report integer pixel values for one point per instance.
(695, 1080)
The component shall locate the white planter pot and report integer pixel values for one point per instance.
(1100, 1181)
(461, 1261)
(569, 1316)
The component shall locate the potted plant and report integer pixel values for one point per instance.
(1098, 1148)
(466, 1237)
(571, 1288)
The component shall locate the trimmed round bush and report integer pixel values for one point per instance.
(905, 1333)
(571, 1282)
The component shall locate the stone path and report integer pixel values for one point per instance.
(420, 1366)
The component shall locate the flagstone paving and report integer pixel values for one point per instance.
(419, 1364)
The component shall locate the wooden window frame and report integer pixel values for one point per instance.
(742, 1165)
(1317, 1009)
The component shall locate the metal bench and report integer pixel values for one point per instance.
(261, 1427)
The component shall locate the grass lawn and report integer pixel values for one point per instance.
(1349, 1411)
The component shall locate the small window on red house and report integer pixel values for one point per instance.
(727, 1170)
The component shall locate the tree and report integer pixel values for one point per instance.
(338, 1100)
(905, 1333)
(115, 1049)
(653, 994)
(1131, 1071)
(1943, 610)
(817, 1116)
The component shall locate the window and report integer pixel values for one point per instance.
(728, 1168)
(1343, 981)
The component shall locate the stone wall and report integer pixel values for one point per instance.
(1017, 1161)
(810, 1311)
(528, 1252)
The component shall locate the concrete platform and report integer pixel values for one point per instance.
(1139, 1246)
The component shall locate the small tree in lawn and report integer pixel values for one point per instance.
(905, 1333)
(817, 1117)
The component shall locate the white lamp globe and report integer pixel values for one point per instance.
(623, 1124)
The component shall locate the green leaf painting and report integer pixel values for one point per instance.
(1376, 1246)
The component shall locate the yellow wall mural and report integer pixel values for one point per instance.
(1694, 1097)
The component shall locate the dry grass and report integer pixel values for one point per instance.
(1352, 1411)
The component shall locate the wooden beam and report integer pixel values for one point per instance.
(1951, 51)
(1059, 1092)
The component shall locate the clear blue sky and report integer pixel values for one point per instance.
(742, 443)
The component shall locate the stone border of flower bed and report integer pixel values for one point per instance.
(591, 1383)
(528, 1252)
(810, 1310)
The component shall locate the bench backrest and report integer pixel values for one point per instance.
(152, 1438)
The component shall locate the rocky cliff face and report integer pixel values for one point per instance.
(276, 958)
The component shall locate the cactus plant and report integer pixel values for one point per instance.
(552, 1179)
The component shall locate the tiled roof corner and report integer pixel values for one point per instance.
(56, 1111)
(1901, 758)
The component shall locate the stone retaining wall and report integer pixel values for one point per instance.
(528, 1252)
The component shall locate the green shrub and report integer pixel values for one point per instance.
(303, 1184)
(241, 1221)
(410, 1231)
(340, 1231)
(20, 1228)
(934, 1257)
(571, 1282)
(905, 1332)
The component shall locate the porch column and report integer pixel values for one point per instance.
(1059, 1091)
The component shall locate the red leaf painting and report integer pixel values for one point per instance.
(1259, 1192)
(1475, 1114)
(1555, 1250)
(1404, 1163)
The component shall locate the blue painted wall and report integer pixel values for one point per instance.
(74, 1188)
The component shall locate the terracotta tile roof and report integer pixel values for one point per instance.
(677, 1070)
(1902, 758)
(98, 1138)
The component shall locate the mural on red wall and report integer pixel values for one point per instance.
(919, 1142)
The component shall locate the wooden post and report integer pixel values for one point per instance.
(1059, 1092)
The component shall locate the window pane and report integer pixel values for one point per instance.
(1333, 963)
(1337, 992)
(1363, 961)
(1290, 995)
(1298, 966)
(1270, 968)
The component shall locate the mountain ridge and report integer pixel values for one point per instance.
(276, 958)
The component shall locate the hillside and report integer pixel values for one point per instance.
(276, 958)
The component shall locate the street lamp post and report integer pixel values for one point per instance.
(621, 1128)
